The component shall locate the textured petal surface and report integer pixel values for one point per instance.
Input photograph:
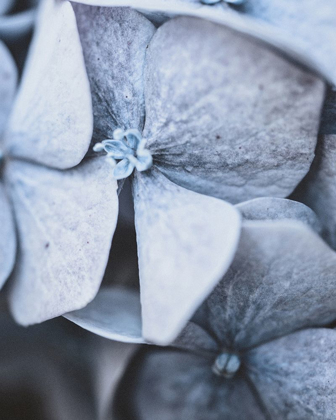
(186, 242)
(282, 279)
(318, 190)
(114, 43)
(115, 313)
(7, 238)
(269, 208)
(66, 220)
(295, 21)
(181, 386)
(225, 116)
(295, 375)
(53, 112)
(8, 79)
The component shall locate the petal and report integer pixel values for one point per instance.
(8, 80)
(115, 313)
(186, 242)
(7, 238)
(66, 221)
(281, 280)
(318, 190)
(181, 386)
(224, 115)
(123, 169)
(270, 208)
(114, 43)
(295, 375)
(292, 23)
(53, 112)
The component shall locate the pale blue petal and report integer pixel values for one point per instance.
(123, 169)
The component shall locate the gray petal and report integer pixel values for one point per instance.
(186, 242)
(294, 20)
(195, 338)
(282, 279)
(66, 221)
(8, 80)
(269, 208)
(296, 375)
(115, 313)
(53, 112)
(7, 238)
(114, 43)
(225, 116)
(181, 386)
(318, 190)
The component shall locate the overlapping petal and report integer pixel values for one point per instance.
(186, 242)
(281, 280)
(225, 116)
(53, 112)
(114, 43)
(115, 313)
(66, 220)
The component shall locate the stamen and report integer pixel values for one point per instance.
(127, 147)
(226, 364)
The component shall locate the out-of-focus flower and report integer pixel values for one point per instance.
(16, 19)
(257, 348)
(56, 372)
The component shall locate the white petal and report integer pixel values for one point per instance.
(66, 221)
(186, 243)
(225, 116)
(52, 120)
(115, 313)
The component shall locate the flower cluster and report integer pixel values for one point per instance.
(167, 183)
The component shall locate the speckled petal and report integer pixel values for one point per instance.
(7, 237)
(282, 279)
(114, 43)
(295, 375)
(270, 208)
(115, 313)
(181, 386)
(186, 242)
(53, 112)
(8, 80)
(66, 221)
(224, 115)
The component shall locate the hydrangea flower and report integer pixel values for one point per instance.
(59, 232)
(54, 372)
(257, 348)
(185, 90)
(147, 90)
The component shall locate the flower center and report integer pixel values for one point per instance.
(126, 151)
(226, 364)
(234, 2)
